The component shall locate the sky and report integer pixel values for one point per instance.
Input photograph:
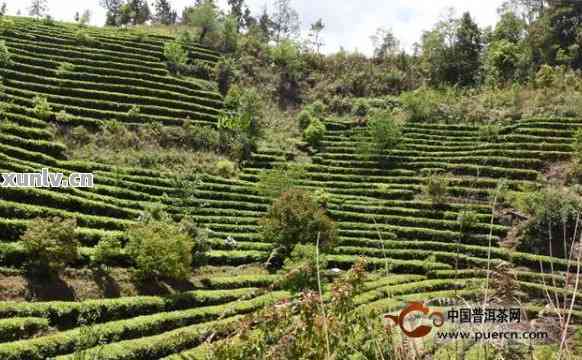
(349, 23)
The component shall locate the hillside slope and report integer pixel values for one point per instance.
(416, 246)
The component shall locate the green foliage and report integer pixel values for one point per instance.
(244, 109)
(230, 35)
(134, 112)
(317, 109)
(305, 118)
(84, 38)
(553, 219)
(51, 243)
(6, 25)
(287, 55)
(225, 73)
(41, 107)
(64, 69)
(300, 268)
(361, 107)
(160, 249)
(384, 130)
(205, 17)
(436, 188)
(489, 132)
(175, 54)
(280, 179)
(4, 54)
(226, 168)
(323, 197)
(107, 251)
(314, 133)
(467, 219)
(313, 329)
(296, 218)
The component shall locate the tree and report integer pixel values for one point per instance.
(266, 25)
(203, 15)
(85, 17)
(38, 8)
(113, 8)
(468, 50)
(315, 35)
(296, 218)
(236, 11)
(164, 13)
(385, 43)
(3, 9)
(285, 21)
(140, 11)
(528, 10)
(510, 27)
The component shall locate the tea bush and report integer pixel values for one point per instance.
(41, 107)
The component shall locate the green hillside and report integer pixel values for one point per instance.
(415, 248)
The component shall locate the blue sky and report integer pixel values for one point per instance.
(349, 23)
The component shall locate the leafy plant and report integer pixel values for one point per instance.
(296, 218)
(305, 118)
(175, 54)
(274, 182)
(436, 188)
(300, 268)
(4, 54)
(41, 107)
(225, 168)
(314, 132)
(107, 251)
(51, 243)
(160, 249)
(65, 68)
(384, 130)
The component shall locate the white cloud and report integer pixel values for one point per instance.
(348, 23)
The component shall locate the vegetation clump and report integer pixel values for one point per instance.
(52, 243)
(296, 218)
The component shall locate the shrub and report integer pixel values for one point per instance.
(63, 117)
(225, 168)
(276, 181)
(52, 243)
(160, 249)
(436, 188)
(41, 107)
(467, 220)
(384, 130)
(4, 54)
(301, 268)
(107, 251)
(83, 38)
(361, 107)
(296, 218)
(175, 54)
(134, 112)
(314, 132)
(317, 108)
(304, 118)
(489, 132)
(553, 220)
(225, 73)
(65, 68)
(323, 197)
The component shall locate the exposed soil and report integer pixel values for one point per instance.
(85, 284)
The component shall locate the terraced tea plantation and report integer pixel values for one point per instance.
(415, 248)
